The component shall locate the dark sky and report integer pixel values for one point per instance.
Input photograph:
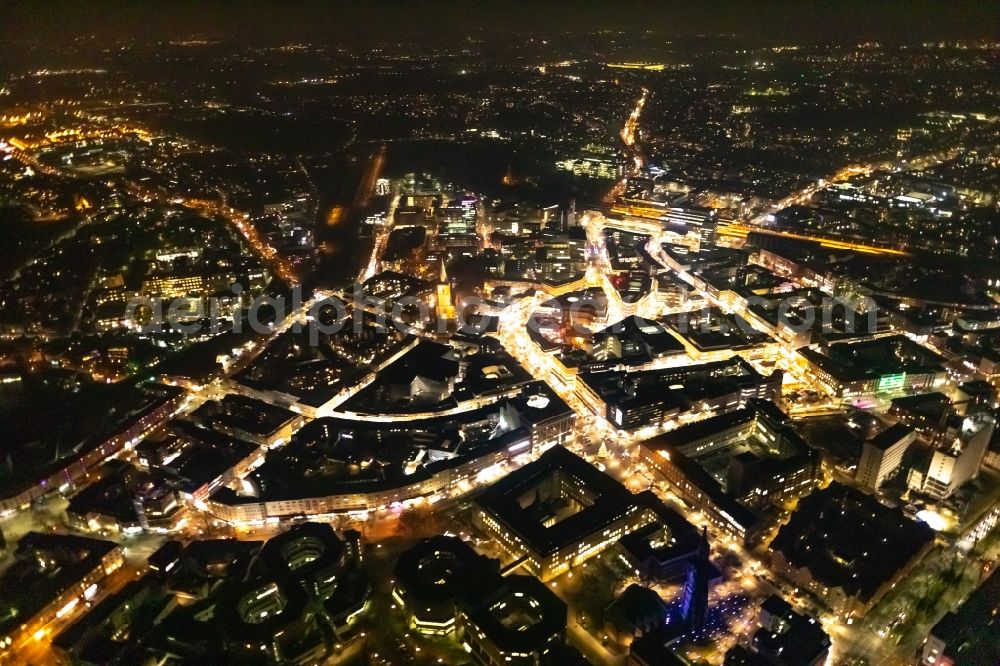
(346, 22)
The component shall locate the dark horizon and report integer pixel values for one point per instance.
(812, 21)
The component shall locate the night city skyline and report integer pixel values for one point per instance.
(541, 334)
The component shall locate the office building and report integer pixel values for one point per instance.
(882, 455)
(436, 578)
(445, 588)
(559, 511)
(648, 398)
(519, 623)
(957, 459)
(735, 465)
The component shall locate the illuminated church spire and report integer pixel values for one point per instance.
(445, 308)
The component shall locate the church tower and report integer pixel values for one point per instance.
(445, 309)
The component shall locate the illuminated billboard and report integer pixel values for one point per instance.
(891, 382)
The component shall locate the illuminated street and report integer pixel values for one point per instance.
(489, 335)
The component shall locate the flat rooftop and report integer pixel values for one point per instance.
(687, 383)
(609, 501)
(252, 416)
(710, 467)
(890, 436)
(716, 330)
(871, 359)
(522, 615)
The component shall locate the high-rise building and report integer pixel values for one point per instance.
(882, 455)
(957, 460)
